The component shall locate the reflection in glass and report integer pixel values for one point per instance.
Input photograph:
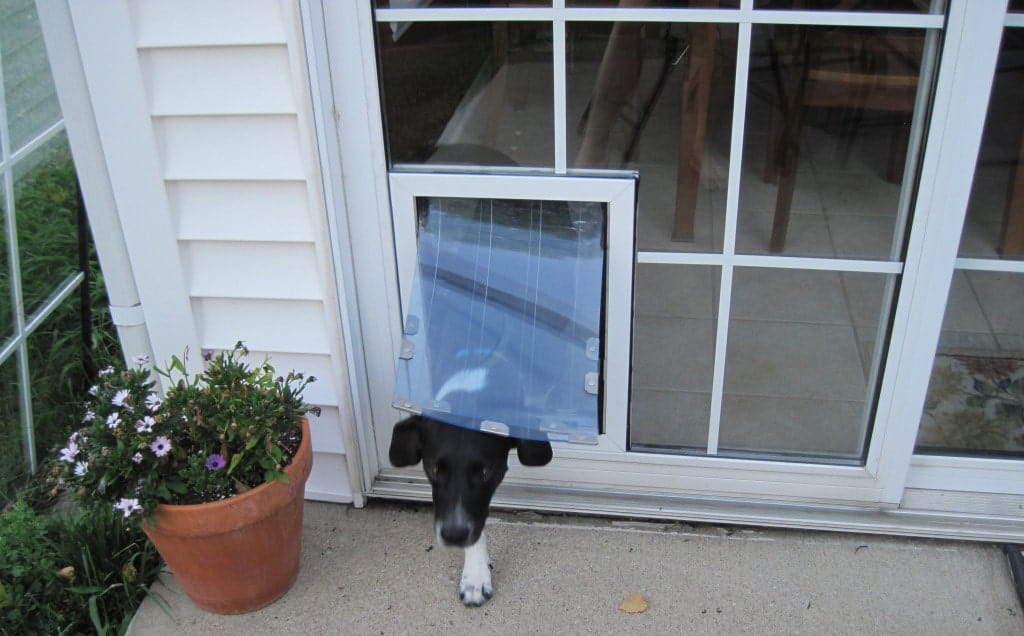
(656, 98)
(46, 203)
(29, 93)
(880, 6)
(674, 324)
(504, 319)
(994, 226)
(12, 453)
(6, 317)
(828, 130)
(58, 352)
(475, 93)
(802, 363)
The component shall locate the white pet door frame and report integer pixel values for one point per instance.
(617, 197)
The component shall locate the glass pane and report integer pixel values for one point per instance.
(504, 319)
(829, 117)
(657, 98)
(475, 93)
(803, 358)
(995, 214)
(675, 319)
(46, 203)
(13, 467)
(879, 6)
(6, 315)
(1016, 6)
(28, 86)
(56, 358)
(433, 4)
(975, 402)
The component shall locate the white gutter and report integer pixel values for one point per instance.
(94, 179)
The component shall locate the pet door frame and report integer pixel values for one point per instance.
(618, 194)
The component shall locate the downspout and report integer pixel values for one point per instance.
(90, 164)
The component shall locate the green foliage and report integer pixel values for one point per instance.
(34, 595)
(229, 429)
(70, 575)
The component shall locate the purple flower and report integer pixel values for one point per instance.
(113, 420)
(137, 458)
(88, 417)
(140, 359)
(105, 372)
(81, 468)
(160, 446)
(215, 462)
(207, 354)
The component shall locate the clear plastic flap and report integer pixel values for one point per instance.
(504, 318)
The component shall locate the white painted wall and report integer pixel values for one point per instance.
(203, 115)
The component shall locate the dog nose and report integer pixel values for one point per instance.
(455, 533)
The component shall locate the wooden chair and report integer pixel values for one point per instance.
(853, 69)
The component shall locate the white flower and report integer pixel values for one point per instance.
(128, 506)
(105, 372)
(137, 458)
(113, 420)
(81, 468)
(153, 401)
(88, 417)
(140, 359)
(121, 397)
(160, 446)
(145, 425)
(68, 454)
(93, 390)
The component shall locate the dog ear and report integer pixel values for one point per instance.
(406, 443)
(533, 452)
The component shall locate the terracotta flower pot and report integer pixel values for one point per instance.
(238, 554)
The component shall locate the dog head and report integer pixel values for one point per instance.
(464, 468)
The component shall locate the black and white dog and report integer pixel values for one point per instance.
(464, 467)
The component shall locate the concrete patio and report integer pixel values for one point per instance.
(377, 571)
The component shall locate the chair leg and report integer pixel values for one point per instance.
(789, 151)
(1011, 244)
(898, 144)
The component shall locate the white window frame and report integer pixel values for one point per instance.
(608, 479)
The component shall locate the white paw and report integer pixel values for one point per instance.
(475, 588)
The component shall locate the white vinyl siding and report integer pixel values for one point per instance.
(223, 87)
(218, 93)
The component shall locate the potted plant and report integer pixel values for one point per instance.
(215, 471)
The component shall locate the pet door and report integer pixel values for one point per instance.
(502, 331)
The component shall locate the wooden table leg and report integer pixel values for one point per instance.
(1011, 245)
(693, 127)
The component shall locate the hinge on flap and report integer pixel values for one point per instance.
(407, 350)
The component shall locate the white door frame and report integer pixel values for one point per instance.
(599, 480)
